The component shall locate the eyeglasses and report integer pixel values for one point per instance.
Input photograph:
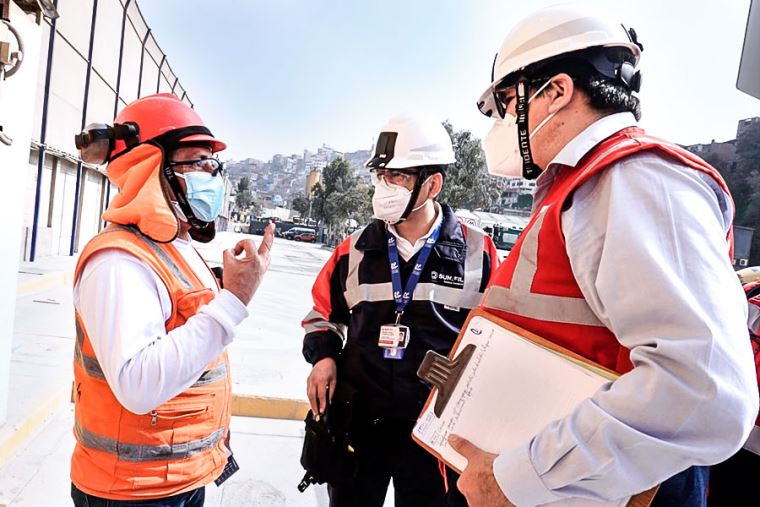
(209, 165)
(506, 92)
(392, 176)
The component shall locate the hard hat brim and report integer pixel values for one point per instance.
(216, 144)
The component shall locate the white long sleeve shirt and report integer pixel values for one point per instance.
(646, 242)
(124, 306)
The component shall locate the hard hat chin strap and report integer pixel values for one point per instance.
(410, 208)
(529, 168)
(167, 142)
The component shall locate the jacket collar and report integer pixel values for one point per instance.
(450, 245)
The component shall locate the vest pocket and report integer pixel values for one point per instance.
(188, 302)
(185, 410)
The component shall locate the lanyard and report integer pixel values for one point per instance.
(402, 298)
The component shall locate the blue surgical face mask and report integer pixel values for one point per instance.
(205, 194)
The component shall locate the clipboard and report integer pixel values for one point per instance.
(461, 401)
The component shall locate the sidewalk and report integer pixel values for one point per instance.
(42, 350)
(36, 441)
(267, 451)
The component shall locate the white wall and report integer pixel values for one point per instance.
(66, 102)
(17, 99)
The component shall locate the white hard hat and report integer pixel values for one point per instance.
(551, 32)
(409, 141)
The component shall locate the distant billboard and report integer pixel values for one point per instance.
(749, 68)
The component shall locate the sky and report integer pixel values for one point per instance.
(281, 76)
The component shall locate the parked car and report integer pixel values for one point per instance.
(301, 234)
(306, 236)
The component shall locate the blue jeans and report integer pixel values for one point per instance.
(687, 489)
(190, 499)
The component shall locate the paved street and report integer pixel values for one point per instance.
(266, 360)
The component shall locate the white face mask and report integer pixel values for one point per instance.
(390, 201)
(502, 144)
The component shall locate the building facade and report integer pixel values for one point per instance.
(95, 58)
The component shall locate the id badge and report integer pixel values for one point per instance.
(393, 336)
(393, 340)
(397, 353)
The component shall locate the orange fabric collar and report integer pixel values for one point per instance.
(141, 200)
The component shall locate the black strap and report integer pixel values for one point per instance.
(169, 141)
(530, 169)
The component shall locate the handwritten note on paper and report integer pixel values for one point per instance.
(510, 390)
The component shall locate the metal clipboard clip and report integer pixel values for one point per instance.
(443, 373)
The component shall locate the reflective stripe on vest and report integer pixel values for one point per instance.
(156, 249)
(91, 364)
(92, 367)
(143, 453)
(519, 299)
(187, 432)
(315, 321)
(469, 296)
(535, 287)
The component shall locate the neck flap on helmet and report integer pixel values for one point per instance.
(142, 174)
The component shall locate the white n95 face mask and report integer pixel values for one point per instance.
(502, 144)
(390, 201)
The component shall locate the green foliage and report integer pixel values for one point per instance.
(468, 184)
(300, 204)
(256, 209)
(340, 196)
(243, 197)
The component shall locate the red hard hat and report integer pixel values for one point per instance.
(161, 113)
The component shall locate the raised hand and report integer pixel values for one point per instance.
(245, 266)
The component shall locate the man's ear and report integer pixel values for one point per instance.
(561, 91)
(436, 185)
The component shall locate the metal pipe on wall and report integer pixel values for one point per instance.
(118, 89)
(85, 102)
(158, 82)
(142, 62)
(43, 137)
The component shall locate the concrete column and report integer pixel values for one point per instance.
(17, 106)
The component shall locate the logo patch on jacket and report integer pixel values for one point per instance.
(447, 280)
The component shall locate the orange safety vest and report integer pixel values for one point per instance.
(535, 288)
(178, 446)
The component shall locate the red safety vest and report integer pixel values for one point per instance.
(535, 288)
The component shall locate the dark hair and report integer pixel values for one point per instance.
(429, 170)
(605, 94)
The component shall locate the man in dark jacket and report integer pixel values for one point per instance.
(393, 290)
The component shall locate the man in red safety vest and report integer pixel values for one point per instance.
(626, 262)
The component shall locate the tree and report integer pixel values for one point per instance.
(355, 203)
(468, 184)
(300, 204)
(331, 194)
(256, 209)
(243, 197)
